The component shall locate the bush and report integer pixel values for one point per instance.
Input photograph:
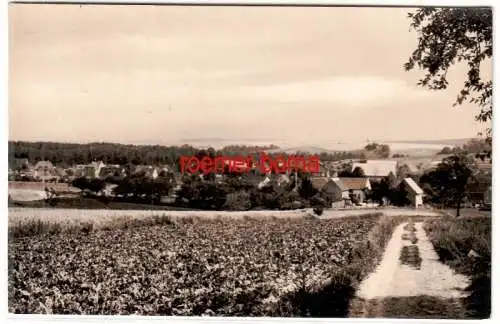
(238, 201)
(318, 201)
(318, 211)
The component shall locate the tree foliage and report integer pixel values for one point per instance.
(239, 200)
(69, 154)
(94, 186)
(306, 189)
(141, 187)
(403, 171)
(448, 184)
(447, 36)
(358, 172)
(377, 150)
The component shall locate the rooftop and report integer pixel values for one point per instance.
(355, 183)
(413, 186)
(377, 168)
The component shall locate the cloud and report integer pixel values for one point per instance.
(345, 90)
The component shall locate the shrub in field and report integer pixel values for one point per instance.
(318, 211)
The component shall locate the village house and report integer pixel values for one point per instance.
(16, 164)
(332, 188)
(89, 171)
(324, 170)
(414, 192)
(18, 168)
(111, 171)
(148, 170)
(377, 169)
(357, 188)
(85, 171)
(97, 167)
(45, 171)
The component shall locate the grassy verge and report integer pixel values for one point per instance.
(453, 239)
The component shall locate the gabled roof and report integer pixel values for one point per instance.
(356, 183)
(44, 164)
(319, 182)
(413, 186)
(340, 184)
(377, 168)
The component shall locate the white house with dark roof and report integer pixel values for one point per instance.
(377, 169)
(414, 192)
(332, 187)
(356, 187)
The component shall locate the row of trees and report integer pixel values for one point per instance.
(241, 193)
(137, 187)
(198, 191)
(479, 146)
(67, 154)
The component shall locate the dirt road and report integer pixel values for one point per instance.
(410, 281)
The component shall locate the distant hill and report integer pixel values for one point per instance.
(302, 149)
(447, 142)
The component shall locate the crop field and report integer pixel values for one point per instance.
(40, 186)
(32, 221)
(196, 266)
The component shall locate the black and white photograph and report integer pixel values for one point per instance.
(249, 161)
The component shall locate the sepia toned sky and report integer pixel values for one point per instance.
(166, 74)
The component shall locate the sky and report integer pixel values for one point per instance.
(175, 74)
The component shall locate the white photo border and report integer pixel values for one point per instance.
(4, 30)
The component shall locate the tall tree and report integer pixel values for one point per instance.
(449, 182)
(358, 172)
(447, 36)
(403, 171)
(306, 189)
